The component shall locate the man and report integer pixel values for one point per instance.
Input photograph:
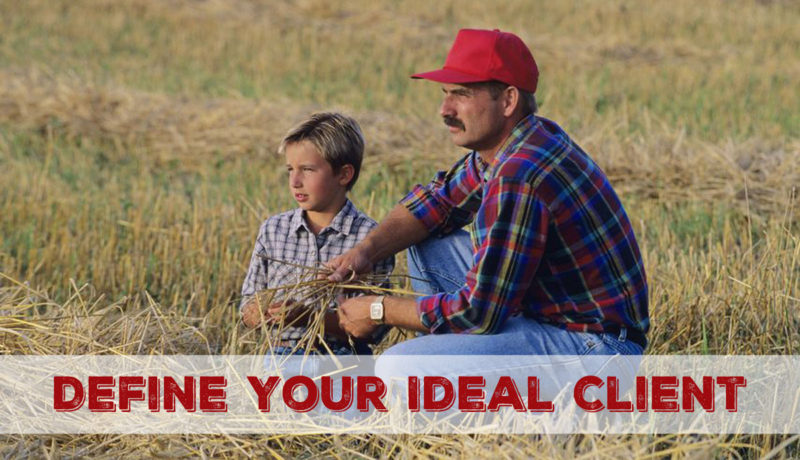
(553, 268)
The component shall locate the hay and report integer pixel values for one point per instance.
(86, 323)
(190, 131)
(313, 296)
(757, 175)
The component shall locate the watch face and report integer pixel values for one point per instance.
(376, 312)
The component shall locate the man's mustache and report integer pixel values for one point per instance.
(453, 121)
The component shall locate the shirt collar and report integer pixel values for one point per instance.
(480, 165)
(342, 222)
(521, 131)
(297, 223)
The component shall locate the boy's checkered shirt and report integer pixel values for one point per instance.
(287, 237)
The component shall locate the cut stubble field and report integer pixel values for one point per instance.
(137, 161)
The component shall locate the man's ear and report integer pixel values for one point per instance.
(346, 173)
(511, 99)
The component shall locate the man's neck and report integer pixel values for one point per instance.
(490, 153)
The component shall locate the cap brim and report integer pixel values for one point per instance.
(449, 76)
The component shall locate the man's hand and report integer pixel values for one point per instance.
(251, 317)
(355, 261)
(399, 230)
(354, 317)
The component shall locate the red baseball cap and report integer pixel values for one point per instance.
(484, 55)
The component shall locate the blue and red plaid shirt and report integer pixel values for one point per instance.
(550, 239)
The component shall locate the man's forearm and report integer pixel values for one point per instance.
(402, 312)
(355, 318)
(397, 231)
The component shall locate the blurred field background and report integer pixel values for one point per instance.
(137, 161)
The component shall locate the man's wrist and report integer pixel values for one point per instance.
(402, 312)
(377, 311)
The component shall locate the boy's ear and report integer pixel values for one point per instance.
(346, 173)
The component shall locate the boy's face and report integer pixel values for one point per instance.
(312, 181)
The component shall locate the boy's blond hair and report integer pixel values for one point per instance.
(337, 138)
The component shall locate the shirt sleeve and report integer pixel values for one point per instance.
(515, 224)
(450, 200)
(256, 278)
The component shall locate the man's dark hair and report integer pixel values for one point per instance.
(496, 88)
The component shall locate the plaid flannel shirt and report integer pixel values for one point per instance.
(287, 237)
(550, 238)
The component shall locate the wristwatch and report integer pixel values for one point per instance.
(376, 312)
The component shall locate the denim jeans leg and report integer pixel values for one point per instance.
(584, 354)
(441, 262)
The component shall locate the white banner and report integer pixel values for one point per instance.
(410, 394)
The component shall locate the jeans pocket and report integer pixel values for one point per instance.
(588, 342)
(622, 347)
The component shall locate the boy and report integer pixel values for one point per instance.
(323, 159)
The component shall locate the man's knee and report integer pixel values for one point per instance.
(394, 361)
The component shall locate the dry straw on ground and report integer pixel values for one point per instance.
(178, 128)
(310, 298)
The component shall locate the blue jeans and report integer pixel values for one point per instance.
(443, 264)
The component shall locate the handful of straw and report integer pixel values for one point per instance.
(307, 301)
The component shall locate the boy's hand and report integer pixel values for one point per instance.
(295, 314)
(250, 314)
(355, 261)
(251, 317)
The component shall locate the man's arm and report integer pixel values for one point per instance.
(399, 230)
(515, 223)
(447, 202)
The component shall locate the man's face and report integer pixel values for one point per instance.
(474, 118)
